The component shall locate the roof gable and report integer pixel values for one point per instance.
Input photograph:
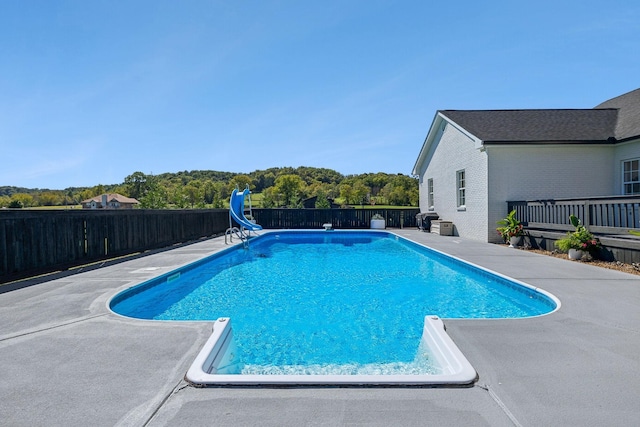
(628, 105)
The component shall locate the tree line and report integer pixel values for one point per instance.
(274, 187)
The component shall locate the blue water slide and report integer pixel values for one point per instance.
(236, 209)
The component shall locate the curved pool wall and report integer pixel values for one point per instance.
(214, 365)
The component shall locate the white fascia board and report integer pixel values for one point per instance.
(434, 133)
(431, 135)
(630, 141)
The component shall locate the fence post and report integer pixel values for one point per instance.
(587, 214)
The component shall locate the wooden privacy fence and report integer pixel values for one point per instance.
(605, 215)
(34, 241)
(338, 218)
(38, 241)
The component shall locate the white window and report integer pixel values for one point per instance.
(430, 194)
(631, 176)
(461, 185)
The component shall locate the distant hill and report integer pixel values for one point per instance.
(9, 191)
(200, 188)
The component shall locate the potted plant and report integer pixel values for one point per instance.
(377, 221)
(579, 241)
(511, 229)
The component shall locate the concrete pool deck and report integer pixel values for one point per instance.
(67, 360)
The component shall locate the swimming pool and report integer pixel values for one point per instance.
(345, 304)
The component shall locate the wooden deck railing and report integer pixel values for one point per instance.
(604, 215)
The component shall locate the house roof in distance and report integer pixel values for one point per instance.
(111, 197)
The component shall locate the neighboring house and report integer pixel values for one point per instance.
(110, 201)
(473, 161)
(310, 203)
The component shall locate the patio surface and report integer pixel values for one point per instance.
(67, 360)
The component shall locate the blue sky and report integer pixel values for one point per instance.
(92, 91)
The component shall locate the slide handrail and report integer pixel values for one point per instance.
(236, 210)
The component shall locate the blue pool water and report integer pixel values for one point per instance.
(327, 302)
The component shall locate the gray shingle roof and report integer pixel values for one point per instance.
(537, 126)
(628, 125)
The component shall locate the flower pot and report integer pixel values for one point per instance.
(378, 223)
(515, 241)
(575, 254)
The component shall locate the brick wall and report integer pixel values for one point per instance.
(451, 152)
(547, 172)
(502, 173)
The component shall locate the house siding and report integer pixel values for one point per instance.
(450, 152)
(546, 172)
(510, 155)
(624, 151)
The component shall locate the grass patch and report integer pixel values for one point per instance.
(40, 208)
(382, 207)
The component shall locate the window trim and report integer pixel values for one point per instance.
(631, 171)
(430, 202)
(461, 189)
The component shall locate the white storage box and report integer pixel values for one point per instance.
(443, 228)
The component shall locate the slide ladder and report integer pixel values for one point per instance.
(240, 234)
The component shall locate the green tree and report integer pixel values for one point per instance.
(377, 182)
(290, 186)
(98, 190)
(263, 180)
(209, 191)
(194, 194)
(155, 198)
(137, 184)
(179, 197)
(395, 195)
(50, 198)
(401, 190)
(70, 198)
(23, 199)
(322, 202)
(360, 193)
(85, 195)
(241, 181)
(270, 198)
(214, 193)
(346, 193)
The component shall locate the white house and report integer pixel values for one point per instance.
(473, 161)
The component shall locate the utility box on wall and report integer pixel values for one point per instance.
(443, 228)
